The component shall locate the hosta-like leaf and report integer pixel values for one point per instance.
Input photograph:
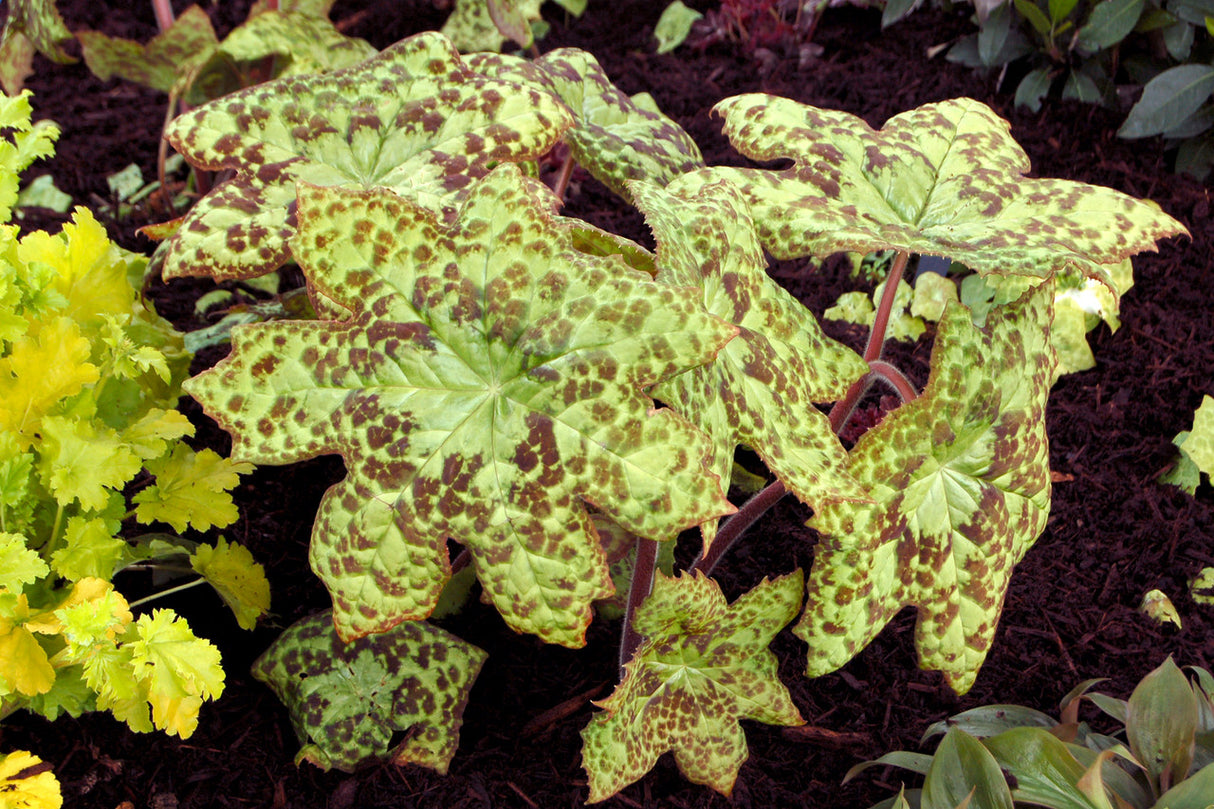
(961, 481)
(487, 381)
(348, 699)
(945, 179)
(414, 119)
(703, 666)
(761, 390)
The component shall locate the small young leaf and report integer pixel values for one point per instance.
(1031, 12)
(238, 579)
(964, 773)
(486, 384)
(674, 25)
(702, 666)
(346, 700)
(1201, 587)
(1168, 99)
(1157, 606)
(945, 179)
(960, 480)
(1161, 722)
(413, 119)
(760, 391)
(486, 25)
(1198, 445)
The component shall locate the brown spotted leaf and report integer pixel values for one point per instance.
(485, 387)
(761, 390)
(30, 25)
(614, 137)
(347, 700)
(164, 64)
(703, 666)
(944, 179)
(961, 482)
(413, 119)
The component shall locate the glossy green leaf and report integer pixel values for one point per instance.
(1033, 13)
(1168, 99)
(961, 490)
(1080, 87)
(1109, 23)
(1061, 9)
(1033, 88)
(163, 63)
(1044, 770)
(347, 700)
(702, 666)
(1195, 792)
(413, 119)
(944, 179)
(994, 33)
(760, 392)
(485, 385)
(915, 762)
(964, 773)
(991, 720)
(1161, 722)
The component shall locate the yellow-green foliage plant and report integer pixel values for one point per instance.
(490, 371)
(91, 447)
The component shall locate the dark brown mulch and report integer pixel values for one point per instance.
(1114, 532)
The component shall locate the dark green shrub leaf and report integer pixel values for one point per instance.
(346, 700)
(1033, 88)
(485, 384)
(1109, 23)
(1033, 13)
(1060, 10)
(1193, 12)
(1081, 87)
(702, 666)
(413, 119)
(994, 32)
(960, 480)
(1168, 99)
(1196, 156)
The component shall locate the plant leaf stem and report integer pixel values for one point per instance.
(893, 376)
(164, 14)
(169, 591)
(642, 584)
(876, 337)
(561, 184)
(735, 526)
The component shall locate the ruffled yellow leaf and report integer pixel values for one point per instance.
(27, 783)
(178, 669)
(191, 489)
(19, 565)
(41, 371)
(90, 550)
(239, 580)
(82, 461)
(24, 666)
(150, 436)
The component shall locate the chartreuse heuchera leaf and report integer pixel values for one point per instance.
(961, 486)
(944, 179)
(413, 118)
(27, 783)
(702, 666)
(761, 390)
(348, 699)
(484, 387)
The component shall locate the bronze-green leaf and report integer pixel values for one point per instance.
(486, 384)
(165, 64)
(703, 666)
(414, 119)
(346, 700)
(761, 390)
(944, 179)
(961, 484)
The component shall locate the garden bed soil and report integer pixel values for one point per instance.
(1114, 532)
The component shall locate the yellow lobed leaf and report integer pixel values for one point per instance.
(19, 565)
(191, 489)
(238, 579)
(40, 371)
(27, 783)
(90, 549)
(81, 461)
(24, 666)
(178, 669)
(150, 436)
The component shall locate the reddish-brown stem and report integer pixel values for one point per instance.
(462, 560)
(164, 14)
(561, 185)
(735, 526)
(646, 562)
(876, 337)
(892, 376)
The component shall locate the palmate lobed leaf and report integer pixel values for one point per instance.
(761, 390)
(348, 699)
(164, 62)
(944, 179)
(703, 666)
(414, 119)
(961, 484)
(487, 381)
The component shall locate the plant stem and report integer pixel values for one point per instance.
(561, 185)
(167, 592)
(643, 568)
(164, 14)
(893, 376)
(735, 526)
(876, 337)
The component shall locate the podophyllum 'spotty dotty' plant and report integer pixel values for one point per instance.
(488, 370)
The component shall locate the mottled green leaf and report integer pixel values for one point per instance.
(1198, 445)
(347, 700)
(486, 382)
(616, 138)
(761, 390)
(413, 119)
(674, 25)
(30, 25)
(944, 179)
(486, 25)
(163, 63)
(961, 484)
(302, 43)
(702, 666)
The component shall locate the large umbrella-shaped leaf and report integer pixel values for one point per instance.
(347, 700)
(414, 119)
(961, 484)
(761, 390)
(615, 137)
(944, 179)
(703, 666)
(487, 381)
